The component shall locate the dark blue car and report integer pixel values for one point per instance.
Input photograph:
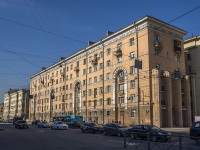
(114, 129)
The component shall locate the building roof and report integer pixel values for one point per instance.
(146, 18)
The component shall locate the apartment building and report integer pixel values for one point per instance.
(16, 103)
(135, 75)
(192, 54)
(1, 111)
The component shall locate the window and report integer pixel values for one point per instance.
(133, 113)
(101, 78)
(157, 38)
(84, 82)
(70, 104)
(90, 70)
(70, 85)
(132, 83)
(101, 90)
(131, 55)
(157, 52)
(120, 100)
(90, 80)
(89, 103)
(95, 92)
(56, 81)
(84, 71)
(101, 55)
(101, 65)
(132, 97)
(70, 76)
(188, 57)
(95, 68)
(84, 103)
(71, 67)
(56, 73)
(67, 69)
(132, 69)
(177, 58)
(77, 64)
(121, 74)
(108, 76)
(70, 95)
(108, 51)
(119, 46)
(90, 92)
(66, 96)
(90, 58)
(84, 93)
(121, 87)
(131, 41)
(77, 74)
(95, 79)
(66, 87)
(108, 88)
(84, 61)
(101, 102)
(119, 59)
(95, 105)
(108, 101)
(189, 69)
(66, 105)
(108, 63)
(158, 66)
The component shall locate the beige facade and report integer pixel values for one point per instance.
(1, 111)
(16, 104)
(103, 83)
(192, 54)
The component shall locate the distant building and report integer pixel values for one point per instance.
(132, 76)
(1, 110)
(192, 57)
(16, 104)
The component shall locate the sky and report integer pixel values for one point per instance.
(37, 33)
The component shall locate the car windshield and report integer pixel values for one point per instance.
(22, 121)
(155, 128)
(121, 126)
(59, 122)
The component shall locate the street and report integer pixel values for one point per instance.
(73, 139)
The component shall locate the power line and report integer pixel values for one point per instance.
(35, 28)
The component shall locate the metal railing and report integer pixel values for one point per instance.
(145, 141)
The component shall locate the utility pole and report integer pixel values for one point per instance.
(138, 77)
(103, 84)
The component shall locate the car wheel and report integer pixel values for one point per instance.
(104, 132)
(118, 134)
(154, 138)
(133, 136)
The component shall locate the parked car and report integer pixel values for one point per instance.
(21, 124)
(74, 124)
(114, 129)
(35, 122)
(43, 124)
(155, 133)
(10, 120)
(195, 131)
(16, 118)
(59, 125)
(91, 127)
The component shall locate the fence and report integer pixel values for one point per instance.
(147, 141)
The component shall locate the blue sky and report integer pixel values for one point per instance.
(25, 50)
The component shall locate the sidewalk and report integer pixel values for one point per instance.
(178, 130)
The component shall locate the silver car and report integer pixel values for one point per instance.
(43, 124)
(59, 125)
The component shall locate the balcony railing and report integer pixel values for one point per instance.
(94, 61)
(177, 46)
(121, 92)
(76, 68)
(118, 52)
(158, 45)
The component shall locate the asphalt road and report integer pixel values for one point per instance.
(73, 139)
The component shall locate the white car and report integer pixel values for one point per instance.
(59, 125)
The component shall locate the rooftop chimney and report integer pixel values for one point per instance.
(90, 43)
(108, 33)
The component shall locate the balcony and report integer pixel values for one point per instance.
(121, 92)
(177, 46)
(62, 74)
(121, 79)
(94, 61)
(42, 81)
(76, 68)
(118, 52)
(158, 45)
(121, 105)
